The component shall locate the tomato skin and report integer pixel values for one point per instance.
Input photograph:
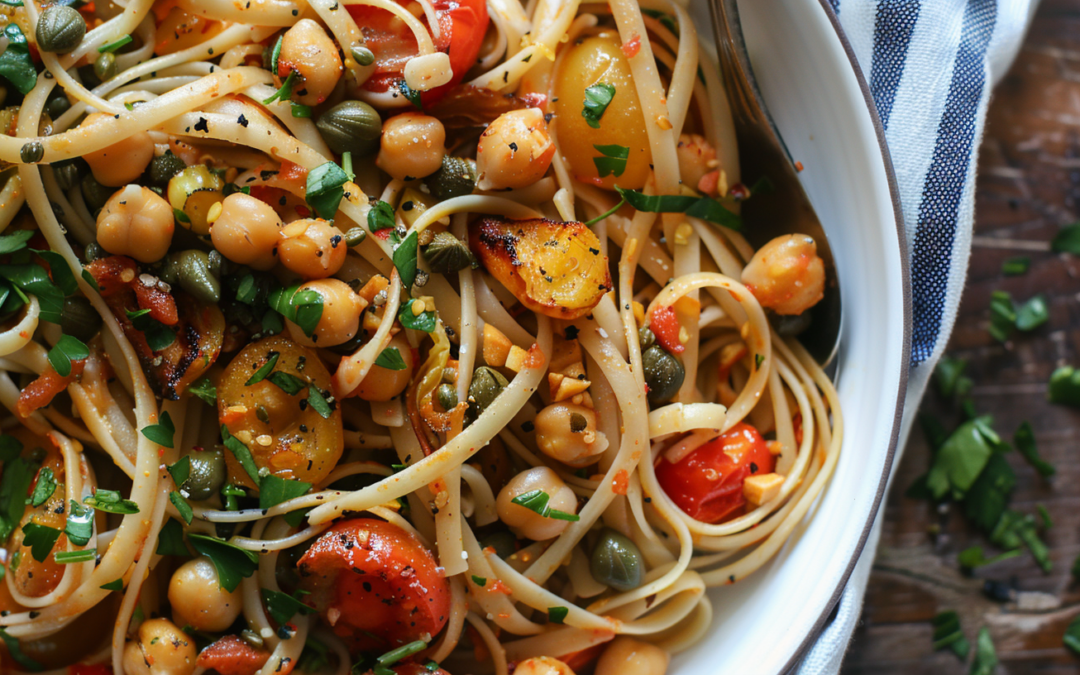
(462, 24)
(664, 324)
(381, 579)
(707, 484)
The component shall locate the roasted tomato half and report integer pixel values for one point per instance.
(708, 483)
(552, 267)
(375, 584)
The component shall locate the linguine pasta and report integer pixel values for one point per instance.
(350, 335)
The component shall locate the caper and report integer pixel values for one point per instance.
(79, 319)
(164, 167)
(57, 104)
(616, 561)
(447, 254)
(207, 474)
(32, 152)
(455, 178)
(351, 126)
(447, 395)
(193, 275)
(93, 251)
(105, 66)
(217, 262)
(363, 56)
(486, 385)
(663, 373)
(60, 29)
(68, 173)
(646, 338)
(355, 236)
(504, 543)
(94, 192)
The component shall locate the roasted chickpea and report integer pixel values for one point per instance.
(340, 314)
(544, 665)
(526, 522)
(312, 248)
(413, 146)
(123, 161)
(308, 50)
(627, 656)
(161, 649)
(198, 600)
(247, 231)
(136, 222)
(567, 432)
(383, 384)
(515, 150)
(786, 275)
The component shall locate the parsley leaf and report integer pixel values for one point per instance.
(381, 216)
(325, 189)
(162, 432)
(1024, 439)
(479, 581)
(43, 489)
(158, 335)
(537, 501)
(33, 280)
(182, 507)
(242, 454)
(171, 539)
(985, 501)
(181, 470)
(67, 349)
(17, 477)
(231, 562)
(1002, 315)
(961, 459)
(597, 99)
(60, 271)
(1065, 386)
(390, 359)
(405, 259)
(302, 307)
(1032, 313)
(1071, 639)
(947, 633)
(110, 501)
(264, 370)
(705, 208)
(285, 91)
(16, 66)
(16, 241)
(950, 378)
(424, 321)
(282, 606)
(612, 160)
(287, 382)
(985, 656)
(1016, 266)
(318, 402)
(15, 649)
(972, 557)
(80, 524)
(1067, 240)
(557, 614)
(205, 390)
(40, 539)
(274, 490)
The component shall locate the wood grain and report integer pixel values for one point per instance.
(1028, 186)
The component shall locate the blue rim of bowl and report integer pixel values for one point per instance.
(905, 270)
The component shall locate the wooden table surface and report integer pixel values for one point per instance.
(1028, 186)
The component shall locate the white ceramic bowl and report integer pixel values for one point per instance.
(821, 105)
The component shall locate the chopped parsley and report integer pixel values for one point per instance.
(424, 321)
(162, 432)
(43, 489)
(40, 539)
(947, 633)
(537, 501)
(390, 359)
(597, 99)
(282, 606)
(612, 160)
(232, 563)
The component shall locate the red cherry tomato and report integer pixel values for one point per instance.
(462, 24)
(708, 483)
(665, 326)
(379, 584)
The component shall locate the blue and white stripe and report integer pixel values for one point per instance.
(930, 66)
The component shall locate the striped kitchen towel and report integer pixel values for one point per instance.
(930, 66)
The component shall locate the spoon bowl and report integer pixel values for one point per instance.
(784, 208)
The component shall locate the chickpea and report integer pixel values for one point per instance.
(312, 248)
(413, 146)
(544, 665)
(526, 522)
(197, 598)
(698, 166)
(340, 315)
(123, 161)
(627, 656)
(786, 275)
(247, 231)
(515, 150)
(308, 50)
(382, 384)
(567, 432)
(136, 222)
(161, 649)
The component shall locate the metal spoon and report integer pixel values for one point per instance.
(786, 209)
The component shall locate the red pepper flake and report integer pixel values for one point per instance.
(620, 482)
(632, 46)
(305, 212)
(497, 586)
(798, 166)
(665, 325)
